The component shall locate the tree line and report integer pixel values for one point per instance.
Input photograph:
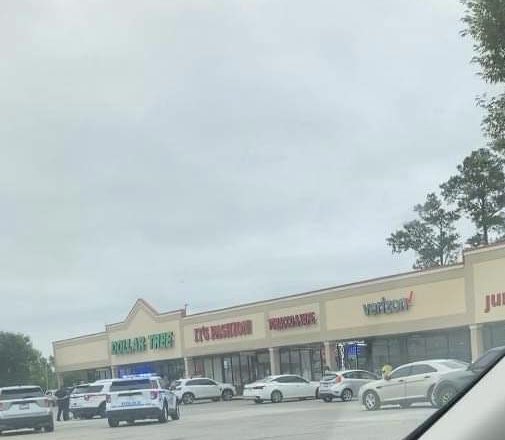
(22, 364)
(477, 190)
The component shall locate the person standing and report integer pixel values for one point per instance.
(63, 396)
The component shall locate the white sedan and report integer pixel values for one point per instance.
(278, 388)
(407, 384)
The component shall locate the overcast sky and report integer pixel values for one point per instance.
(216, 152)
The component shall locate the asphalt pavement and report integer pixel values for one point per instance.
(245, 420)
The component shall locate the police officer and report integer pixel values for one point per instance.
(63, 396)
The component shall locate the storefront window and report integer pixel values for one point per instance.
(317, 363)
(284, 355)
(416, 348)
(208, 367)
(218, 368)
(380, 354)
(395, 352)
(263, 365)
(437, 346)
(228, 375)
(235, 365)
(494, 335)
(306, 364)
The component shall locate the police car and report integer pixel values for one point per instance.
(88, 400)
(24, 407)
(139, 398)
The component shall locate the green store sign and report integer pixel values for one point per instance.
(158, 341)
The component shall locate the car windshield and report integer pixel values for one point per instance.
(129, 385)
(82, 389)
(453, 365)
(20, 393)
(329, 377)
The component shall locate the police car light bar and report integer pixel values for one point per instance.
(139, 376)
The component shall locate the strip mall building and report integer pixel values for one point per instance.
(451, 312)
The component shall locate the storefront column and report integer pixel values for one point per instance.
(114, 372)
(274, 361)
(188, 367)
(330, 355)
(59, 380)
(476, 340)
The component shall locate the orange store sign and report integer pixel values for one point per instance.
(223, 331)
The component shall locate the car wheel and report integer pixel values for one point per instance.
(101, 410)
(49, 427)
(346, 395)
(113, 423)
(444, 395)
(163, 418)
(327, 399)
(371, 401)
(188, 398)
(227, 395)
(405, 404)
(258, 400)
(176, 413)
(276, 397)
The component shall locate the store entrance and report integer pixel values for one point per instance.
(235, 368)
(373, 353)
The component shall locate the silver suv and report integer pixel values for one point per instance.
(24, 407)
(343, 384)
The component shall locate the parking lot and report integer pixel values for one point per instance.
(244, 420)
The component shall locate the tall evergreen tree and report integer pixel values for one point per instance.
(432, 236)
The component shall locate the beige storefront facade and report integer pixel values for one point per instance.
(456, 312)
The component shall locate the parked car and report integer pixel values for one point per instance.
(24, 407)
(407, 384)
(449, 385)
(281, 387)
(88, 401)
(189, 390)
(343, 384)
(139, 399)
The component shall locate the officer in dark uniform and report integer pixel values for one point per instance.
(63, 396)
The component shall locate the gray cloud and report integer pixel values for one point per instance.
(216, 152)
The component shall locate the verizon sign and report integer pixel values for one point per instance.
(388, 306)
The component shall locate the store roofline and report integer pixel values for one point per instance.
(356, 284)
(483, 248)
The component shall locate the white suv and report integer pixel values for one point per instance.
(138, 399)
(24, 407)
(88, 401)
(189, 390)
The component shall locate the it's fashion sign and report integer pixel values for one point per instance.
(292, 321)
(223, 331)
(389, 306)
(157, 341)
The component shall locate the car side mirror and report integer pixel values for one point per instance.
(387, 376)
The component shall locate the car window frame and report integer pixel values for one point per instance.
(409, 368)
(414, 373)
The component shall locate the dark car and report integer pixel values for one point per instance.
(453, 383)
